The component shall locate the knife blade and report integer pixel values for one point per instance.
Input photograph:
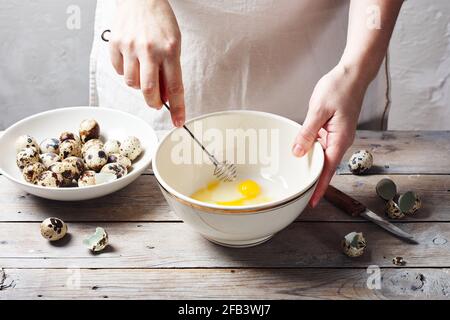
(355, 208)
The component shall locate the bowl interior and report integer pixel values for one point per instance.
(114, 124)
(259, 143)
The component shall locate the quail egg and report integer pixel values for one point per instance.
(111, 146)
(354, 244)
(50, 145)
(26, 141)
(116, 157)
(98, 241)
(360, 162)
(66, 135)
(71, 168)
(115, 168)
(131, 148)
(27, 156)
(91, 143)
(95, 158)
(399, 261)
(32, 171)
(69, 148)
(50, 179)
(89, 129)
(53, 229)
(59, 168)
(49, 158)
(393, 211)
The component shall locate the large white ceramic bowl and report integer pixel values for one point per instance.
(114, 124)
(180, 173)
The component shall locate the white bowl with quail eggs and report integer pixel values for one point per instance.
(76, 153)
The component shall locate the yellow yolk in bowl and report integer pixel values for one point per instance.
(242, 193)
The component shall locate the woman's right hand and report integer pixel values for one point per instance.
(145, 48)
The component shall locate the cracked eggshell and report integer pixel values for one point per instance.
(409, 202)
(53, 229)
(98, 241)
(354, 244)
(67, 135)
(89, 129)
(49, 158)
(32, 171)
(131, 148)
(26, 141)
(91, 143)
(27, 156)
(111, 147)
(50, 179)
(115, 168)
(95, 158)
(116, 157)
(393, 211)
(386, 189)
(50, 145)
(69, 148)
(360, 162)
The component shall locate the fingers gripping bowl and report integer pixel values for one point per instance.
(288, 182)
(114, 126)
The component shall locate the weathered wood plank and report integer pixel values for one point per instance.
(142, 201)
(175, 245)
(403, 152)
(402, 283)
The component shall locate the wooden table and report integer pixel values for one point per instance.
(154, 255)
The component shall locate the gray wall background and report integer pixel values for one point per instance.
(44, 65)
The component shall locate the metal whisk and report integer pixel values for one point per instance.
(223, 171)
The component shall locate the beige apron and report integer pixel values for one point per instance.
(243, 54)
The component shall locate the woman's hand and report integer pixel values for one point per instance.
(145, 49)
(332, 118)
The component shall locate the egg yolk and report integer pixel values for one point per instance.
(249, 189)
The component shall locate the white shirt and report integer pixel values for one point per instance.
(262, 55)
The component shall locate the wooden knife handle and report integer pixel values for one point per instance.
(344, 201)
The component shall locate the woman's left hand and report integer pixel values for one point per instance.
(332, 117)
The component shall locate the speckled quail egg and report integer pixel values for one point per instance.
(26, 141)
(116, 157)
(50, 179)
(91, 143)
(71, 168)
(115, 168)
(50, 145)
(67, 135)
(53, 229)
(354, 244)
(90, 178)
(131, 148)
(97, 241)
(393, 211)
(69, 148)
(95, 158)
(32, 171)
(49, 158)
(59, 168)
(360, 162)
(111, 146)
(89, 129)
(27, 156)
(409, 202)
